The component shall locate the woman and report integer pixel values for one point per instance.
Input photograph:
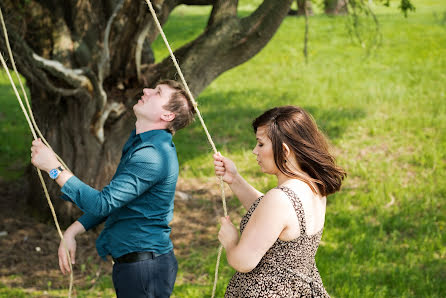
(282, 229)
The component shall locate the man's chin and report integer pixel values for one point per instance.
(135, 109)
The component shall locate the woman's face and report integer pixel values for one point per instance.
(264, 151)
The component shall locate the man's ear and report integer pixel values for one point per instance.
(286, 150)
(169, 116)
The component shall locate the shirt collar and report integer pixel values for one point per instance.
(149, 135)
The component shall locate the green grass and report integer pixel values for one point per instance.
(103, 288)
(15, 136)
(384, 112)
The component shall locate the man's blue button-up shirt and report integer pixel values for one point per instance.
(138, 202)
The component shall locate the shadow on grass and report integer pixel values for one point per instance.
(5, 88)
(14, 134)
(228, 117)
(334, 122)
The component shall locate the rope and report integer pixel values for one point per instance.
(25, 95)
(32, 124)
(160, 29)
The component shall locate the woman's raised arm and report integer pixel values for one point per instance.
(245, 192)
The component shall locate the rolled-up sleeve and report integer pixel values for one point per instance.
(89, 221)
(143, 169)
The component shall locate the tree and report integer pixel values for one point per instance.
(301, 6)
(87, 61)
(335, 7)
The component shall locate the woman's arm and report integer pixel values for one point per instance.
(244, 191)
(263, 229)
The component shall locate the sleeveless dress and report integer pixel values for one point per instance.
(287, 269)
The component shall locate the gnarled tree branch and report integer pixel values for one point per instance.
(233, 42)
(139, 46)
(221, 10)
(104, 62)
(111, 107)
(103, 70)
(267, 16)
(197, 2)
(73, 77)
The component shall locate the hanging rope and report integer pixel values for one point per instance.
(33, 127)
(160, 29)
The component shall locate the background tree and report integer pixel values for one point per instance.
(86, 63)
(300, 11)
(335, 7)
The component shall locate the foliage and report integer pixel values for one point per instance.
(405, 5)
(363, 25)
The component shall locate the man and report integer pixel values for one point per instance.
(138, 203)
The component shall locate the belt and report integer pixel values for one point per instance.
(136, 257)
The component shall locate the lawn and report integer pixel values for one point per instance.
(384, 111)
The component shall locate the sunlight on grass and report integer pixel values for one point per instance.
(385, 115)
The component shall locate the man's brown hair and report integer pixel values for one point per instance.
(180, 104)
(296, 128)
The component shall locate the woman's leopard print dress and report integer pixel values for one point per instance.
(288, 268)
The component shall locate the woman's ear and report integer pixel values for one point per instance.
(286, 150)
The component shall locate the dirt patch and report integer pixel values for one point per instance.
(28, 257)
(195, 222)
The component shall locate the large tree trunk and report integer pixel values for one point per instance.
(86, 62)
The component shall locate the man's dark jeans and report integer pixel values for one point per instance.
(148, 278)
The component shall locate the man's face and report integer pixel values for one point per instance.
(150, 106)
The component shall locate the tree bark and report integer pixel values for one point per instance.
(86, 63)
(301, 6)
(335, 7)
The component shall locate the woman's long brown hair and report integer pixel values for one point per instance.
(296, 128)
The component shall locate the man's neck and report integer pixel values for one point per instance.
(142, 126)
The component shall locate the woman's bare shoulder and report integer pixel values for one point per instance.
(275, 198)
